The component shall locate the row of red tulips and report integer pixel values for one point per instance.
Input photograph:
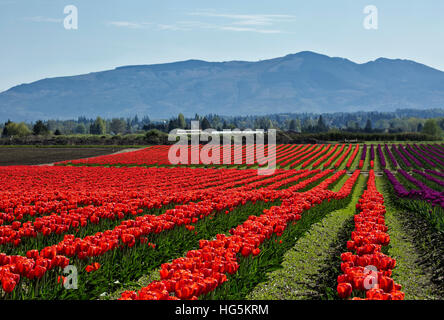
(159, 155)
(297, 154)
(368, 270)
(285, 155)
(325, 156)
(329, 161)
(128, 232)
(310, 156)
(343, 156)
(37, 191)
(80, 217)
(316, 156)
(69, 210)
(202, 271)
(290, 152)
(352, 157)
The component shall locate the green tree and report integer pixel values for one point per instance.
(98, 126)
(135, 120)
(69, 126)
(5, 129)
(308, 125)
(295, 125)
(129, 127)
(321, 126)
(182, 124)
(146, 120)
(205, 124)
(16, 129)
(172, 124)
(368, 126)
(298, 125)
(441, 123)
(216, 122)
(80, 129)
(419, 127)
(292, 125)
(431, 127)
(155, 136)
(352, 125)
(40, 128)
(117, 126)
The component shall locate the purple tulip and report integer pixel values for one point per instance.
(381, 156)
(403, 158)
(431, 154)
(424, 193)
(416, 161)
(428, 194)
(419, 155)
(392, 158)
(400, 190)
(436, 173)
(439, 151)
(429, 177)
(364, 152)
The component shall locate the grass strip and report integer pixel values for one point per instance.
(124, 267)
(417, 248)
(309, 268)
(254, 270)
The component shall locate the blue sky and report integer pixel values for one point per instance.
(35, 45)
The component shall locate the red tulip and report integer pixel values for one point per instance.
(344, 290)
(367, 239)
(256, 251)
(246, 250)
(8, 285)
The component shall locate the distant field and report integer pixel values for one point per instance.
(37, 155)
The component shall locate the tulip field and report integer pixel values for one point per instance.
(333, 221)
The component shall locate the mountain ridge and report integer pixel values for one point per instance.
(300, 82)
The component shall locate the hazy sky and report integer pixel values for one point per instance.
(34, 43)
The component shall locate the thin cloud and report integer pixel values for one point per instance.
(259, 23)
(128, 24)
(248, 19)
(240, 29)
(44, 19)
(145, 25)
(171, 27)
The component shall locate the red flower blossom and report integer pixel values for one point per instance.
(344, 290)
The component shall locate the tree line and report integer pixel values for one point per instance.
(401, 121)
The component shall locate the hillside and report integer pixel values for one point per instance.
(302, 82)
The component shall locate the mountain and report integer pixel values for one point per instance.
(302, 82)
